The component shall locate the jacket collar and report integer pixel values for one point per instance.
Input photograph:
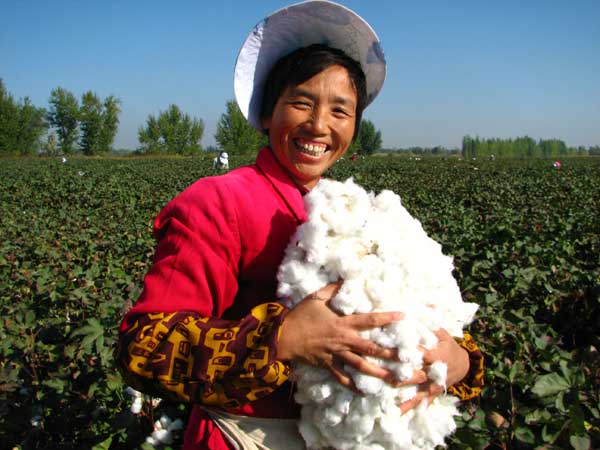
(282, 183)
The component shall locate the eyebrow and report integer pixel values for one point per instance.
(299, 92)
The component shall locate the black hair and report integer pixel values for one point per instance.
(303, 64)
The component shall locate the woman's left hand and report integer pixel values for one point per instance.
(449, 352)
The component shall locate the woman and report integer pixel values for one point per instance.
(208, 328)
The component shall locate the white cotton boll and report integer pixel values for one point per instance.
(396, 430)
(310, 433)
(176, 425)
(296, 281)
(375, 289)
(366, 384)
(162, 436)
(136, 406)
(347, 259)
(381, 337)
(328, 417)
(403, 371)
(405, 332)
(165, 422)
(466, 312)
(406, 393)
(313, 375)
(313, 240)
(387, 263)
(387, 200)
(360, 420)
(351, 298)
(428, 339)
(319, 392)
(432, 423)
(374, 447)
(438, 371)
(343, 400)
(131, 391)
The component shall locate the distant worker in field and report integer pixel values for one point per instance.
(221, 162)
(208, 328)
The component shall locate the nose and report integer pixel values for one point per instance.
(318, 121)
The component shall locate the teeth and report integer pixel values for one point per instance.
(312, 149)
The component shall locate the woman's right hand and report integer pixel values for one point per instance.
(314, 334)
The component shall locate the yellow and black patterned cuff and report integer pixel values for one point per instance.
(470, 386)
(207, 360)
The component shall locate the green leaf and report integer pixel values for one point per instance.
(525, 435)
(580, 442)
(549, 435)
(559, 402)
(538, 416)
(55, 383)
(549, 384)
(104, 445)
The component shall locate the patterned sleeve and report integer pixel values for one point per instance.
(187, 357)
(470, 386)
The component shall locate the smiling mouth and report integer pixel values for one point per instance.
(310, 148)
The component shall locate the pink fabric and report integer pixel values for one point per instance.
(220, 243)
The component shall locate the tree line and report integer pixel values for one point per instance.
(22, 125)
(89, 127)
(521, 147)
(234, 134)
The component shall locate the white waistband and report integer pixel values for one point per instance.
(258, 433)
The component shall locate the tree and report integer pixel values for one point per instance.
(64, 116)
(369, 138)
(21, 125)
(173, 132)
(99, 122)
(90, 118)
(8, 122)
(110, 123)
(149, 137)
(235, 135)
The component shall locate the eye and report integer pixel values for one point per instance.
(301, 104)
(340, 112)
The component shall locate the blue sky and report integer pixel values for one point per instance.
(489, 68)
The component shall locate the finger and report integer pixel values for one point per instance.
(434, 390)
(413, 402)
(442, 334)
(430, 355)
(325, 293)
(419, 377)
(437, 352)
(343, 377)
(367, 321)
(366, 347)
(364, 366)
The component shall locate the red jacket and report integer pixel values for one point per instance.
(220, 243)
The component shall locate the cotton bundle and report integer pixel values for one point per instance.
(387, 263)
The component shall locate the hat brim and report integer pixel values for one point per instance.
(297, 26)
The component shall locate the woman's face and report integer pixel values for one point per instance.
(312, 124)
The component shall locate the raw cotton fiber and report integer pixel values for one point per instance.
(387, 263)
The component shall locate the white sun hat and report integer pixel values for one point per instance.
(297, 26)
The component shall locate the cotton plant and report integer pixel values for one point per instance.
(138, 400)
(162, 429)
(387, 263)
